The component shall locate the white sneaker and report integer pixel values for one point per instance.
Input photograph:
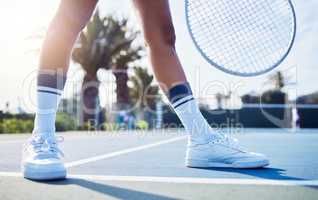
(41, 159)
(223, 152)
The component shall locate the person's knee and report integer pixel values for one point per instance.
(163, 35)
(168, 35)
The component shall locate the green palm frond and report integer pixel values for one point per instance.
(105, 43)
(143, 88)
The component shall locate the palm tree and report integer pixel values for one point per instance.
(126, 54)
(105, 44)
(144, 95)
(278, 80)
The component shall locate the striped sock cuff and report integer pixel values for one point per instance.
(180, 95)
(182, 101)
(53, 80)
(49, 90)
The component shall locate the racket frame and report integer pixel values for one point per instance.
(220, 67)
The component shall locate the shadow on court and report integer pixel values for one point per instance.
(116, 192)
(264, 173)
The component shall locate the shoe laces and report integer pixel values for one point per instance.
(52, 145)
(41, 145)
(227, 141)
(36, 141)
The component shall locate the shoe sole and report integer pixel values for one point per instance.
(43, 175)
(241, 165)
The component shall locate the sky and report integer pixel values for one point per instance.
(18, 62)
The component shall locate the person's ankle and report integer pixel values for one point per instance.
(44, 134)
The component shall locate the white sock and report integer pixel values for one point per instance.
(49, 91)
(190, 115)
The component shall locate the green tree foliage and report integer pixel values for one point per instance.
(107, 43)
(268, 97)
(25, 123)
(272, 96)
(16, 125)
(143, 92)
(308, 99)
(64, 122)
(251, 99)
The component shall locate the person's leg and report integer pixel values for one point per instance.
(206, 148)
(160, 37)
(41, 156)
(70, 19)
(68, 22)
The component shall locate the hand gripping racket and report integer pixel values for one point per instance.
(242, 37)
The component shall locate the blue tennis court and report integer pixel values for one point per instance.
(150, 165)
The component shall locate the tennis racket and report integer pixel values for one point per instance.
(242, 37)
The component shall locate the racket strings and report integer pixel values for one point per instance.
(246, 36)
(231, 45)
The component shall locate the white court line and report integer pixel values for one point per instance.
(185, 180)
(121, 152)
